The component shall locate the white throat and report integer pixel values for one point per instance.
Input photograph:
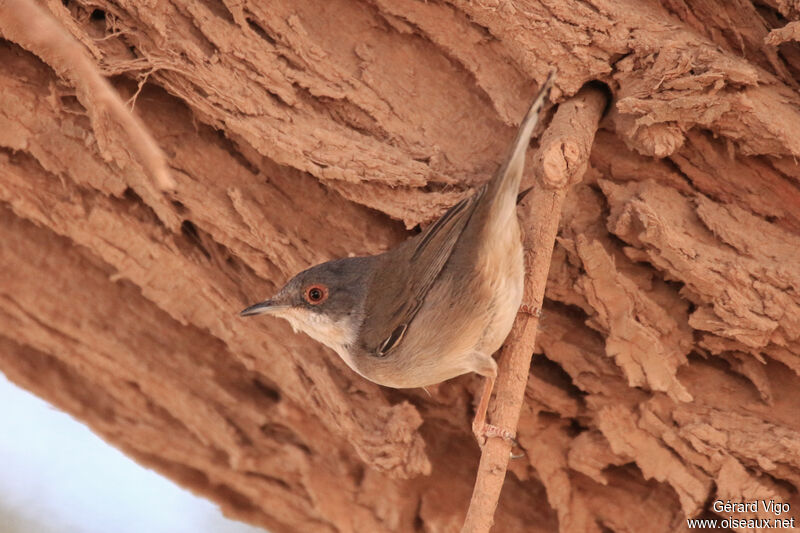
(338, 335)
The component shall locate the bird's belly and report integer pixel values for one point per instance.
(503, 286)
(464, 320)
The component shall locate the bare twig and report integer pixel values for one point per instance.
(561, 161)
(34, 29)
(142, 80)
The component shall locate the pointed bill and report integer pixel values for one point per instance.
(267, 306)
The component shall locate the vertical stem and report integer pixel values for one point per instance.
(561, 161)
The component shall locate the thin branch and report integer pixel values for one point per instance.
(561, 161)
(27, 24)
(131, 102)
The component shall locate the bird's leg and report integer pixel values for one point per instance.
(479, 422)
(480, 428)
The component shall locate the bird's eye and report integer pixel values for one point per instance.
(316, 294)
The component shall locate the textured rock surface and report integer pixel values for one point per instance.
(667, 372)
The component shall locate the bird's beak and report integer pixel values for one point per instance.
(268, 306)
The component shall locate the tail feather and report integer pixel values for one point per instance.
(507, 179)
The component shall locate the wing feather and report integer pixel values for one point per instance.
(408, 272)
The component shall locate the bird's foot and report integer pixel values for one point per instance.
(488, 431)
(530, 310)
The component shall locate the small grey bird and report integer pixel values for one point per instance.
(434, 307)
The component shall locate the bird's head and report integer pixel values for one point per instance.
(325, 302)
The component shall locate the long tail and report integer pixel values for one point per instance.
(506, 181)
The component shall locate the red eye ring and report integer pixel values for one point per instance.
(316, 294)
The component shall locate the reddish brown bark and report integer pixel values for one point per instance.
(666, 372)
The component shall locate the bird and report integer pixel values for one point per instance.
(437, 305)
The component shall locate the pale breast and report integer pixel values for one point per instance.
(504, 276)
(464, 320)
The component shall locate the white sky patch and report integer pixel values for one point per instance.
(57, 474)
